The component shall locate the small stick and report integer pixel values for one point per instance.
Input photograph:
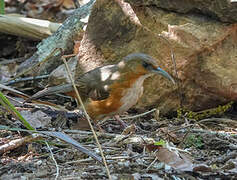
(152, 163)
(172, 54)
(25, 79)
(87, 116)
(56, 164)
(139, 115)
(17, 143)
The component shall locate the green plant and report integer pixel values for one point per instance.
(7, 105)
(2, 7)
(194, 140)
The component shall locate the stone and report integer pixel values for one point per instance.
(204, 49)
(224, 10)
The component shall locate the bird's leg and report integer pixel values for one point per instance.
(123, 124)
(101, 130)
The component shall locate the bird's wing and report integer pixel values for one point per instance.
(95, 84)
(52, 90)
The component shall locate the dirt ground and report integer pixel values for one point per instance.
(206, 150)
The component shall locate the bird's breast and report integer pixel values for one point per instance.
(131, 95)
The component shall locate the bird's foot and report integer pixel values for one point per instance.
(120, 121)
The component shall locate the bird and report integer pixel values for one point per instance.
(111, 90)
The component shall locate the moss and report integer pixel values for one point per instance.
(220, 110)
(194, 140)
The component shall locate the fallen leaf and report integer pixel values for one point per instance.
(36, 119)
(178, 161)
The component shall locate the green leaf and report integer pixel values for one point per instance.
(6, 103)
(2, 7)
(160, 143)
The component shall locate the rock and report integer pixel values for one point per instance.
(222, 10)
(205, 52)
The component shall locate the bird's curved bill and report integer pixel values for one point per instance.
(164, 73)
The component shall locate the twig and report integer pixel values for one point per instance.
(25, 79)
(27, 27)
(11, 90)
(56, 164)
(152, 163)
(172, 54)
(179, 128)
(125, 157)
(139, 115)
(17, 143)
(61, 136)
(108, 158)
(131, 117)
(111, 135)
(232, 134)
(4, 61)
(87, 116)
(80, 161)
(175, 69)
(170, 47)
(225, 120)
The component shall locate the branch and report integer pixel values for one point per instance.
(27, 27)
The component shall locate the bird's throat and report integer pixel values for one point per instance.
(132, 94)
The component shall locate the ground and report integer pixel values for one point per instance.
(207, 149)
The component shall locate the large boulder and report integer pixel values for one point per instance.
(205, 52)
(224, 10)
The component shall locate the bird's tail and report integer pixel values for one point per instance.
(52, 90)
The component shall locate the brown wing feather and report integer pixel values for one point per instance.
(52, 90)
(95, 84)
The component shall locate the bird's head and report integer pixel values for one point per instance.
(142, 64)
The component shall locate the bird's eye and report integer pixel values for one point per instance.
(145, 64)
